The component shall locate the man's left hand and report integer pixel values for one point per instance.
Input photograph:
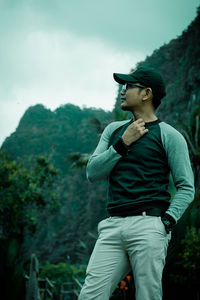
(168, 222)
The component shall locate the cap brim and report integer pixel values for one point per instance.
(123, 78)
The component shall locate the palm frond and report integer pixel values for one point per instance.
(79, 159)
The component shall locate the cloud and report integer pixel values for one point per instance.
(127, 24)
(55, 52)
(58, 67)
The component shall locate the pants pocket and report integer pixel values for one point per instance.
(100, 224)
(104, 221)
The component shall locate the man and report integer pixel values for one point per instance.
(137, 156)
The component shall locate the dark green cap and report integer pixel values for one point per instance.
(146, 76)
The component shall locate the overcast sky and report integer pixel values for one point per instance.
(66, 51)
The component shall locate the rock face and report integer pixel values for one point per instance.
(54, 133)
(68, 129)
(179, 62)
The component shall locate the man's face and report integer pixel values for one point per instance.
(131, 96)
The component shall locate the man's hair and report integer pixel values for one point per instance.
(155, 99)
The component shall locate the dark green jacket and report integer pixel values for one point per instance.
(140, 179)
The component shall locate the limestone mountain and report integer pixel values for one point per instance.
(68, 129)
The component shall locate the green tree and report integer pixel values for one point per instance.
(24, 194)
(187, 266)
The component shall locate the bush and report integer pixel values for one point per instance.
(60, 273)
(188, 263)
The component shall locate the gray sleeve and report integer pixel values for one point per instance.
(103, 158)
(179, 163)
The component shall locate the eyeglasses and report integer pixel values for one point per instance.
(128, 85)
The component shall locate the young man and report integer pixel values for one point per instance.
(136, 157)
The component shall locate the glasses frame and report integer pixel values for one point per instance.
(130, 84)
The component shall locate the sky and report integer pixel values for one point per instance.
(55, 52)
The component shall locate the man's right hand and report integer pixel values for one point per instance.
(134, 131)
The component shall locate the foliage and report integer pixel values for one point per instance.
(11, 270)
(188, 260)
(78, 159)
(23, 194)
(60, 273)
(191, 131)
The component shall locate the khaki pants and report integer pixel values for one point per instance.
(137, 242)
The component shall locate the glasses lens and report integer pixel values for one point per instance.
(127, 85)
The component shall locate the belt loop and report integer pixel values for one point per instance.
(144, 213)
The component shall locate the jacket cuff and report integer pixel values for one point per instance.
(121, 147)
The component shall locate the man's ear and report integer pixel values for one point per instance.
(148, 93)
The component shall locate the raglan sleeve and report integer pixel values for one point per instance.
(181, 170)
(103, 159)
